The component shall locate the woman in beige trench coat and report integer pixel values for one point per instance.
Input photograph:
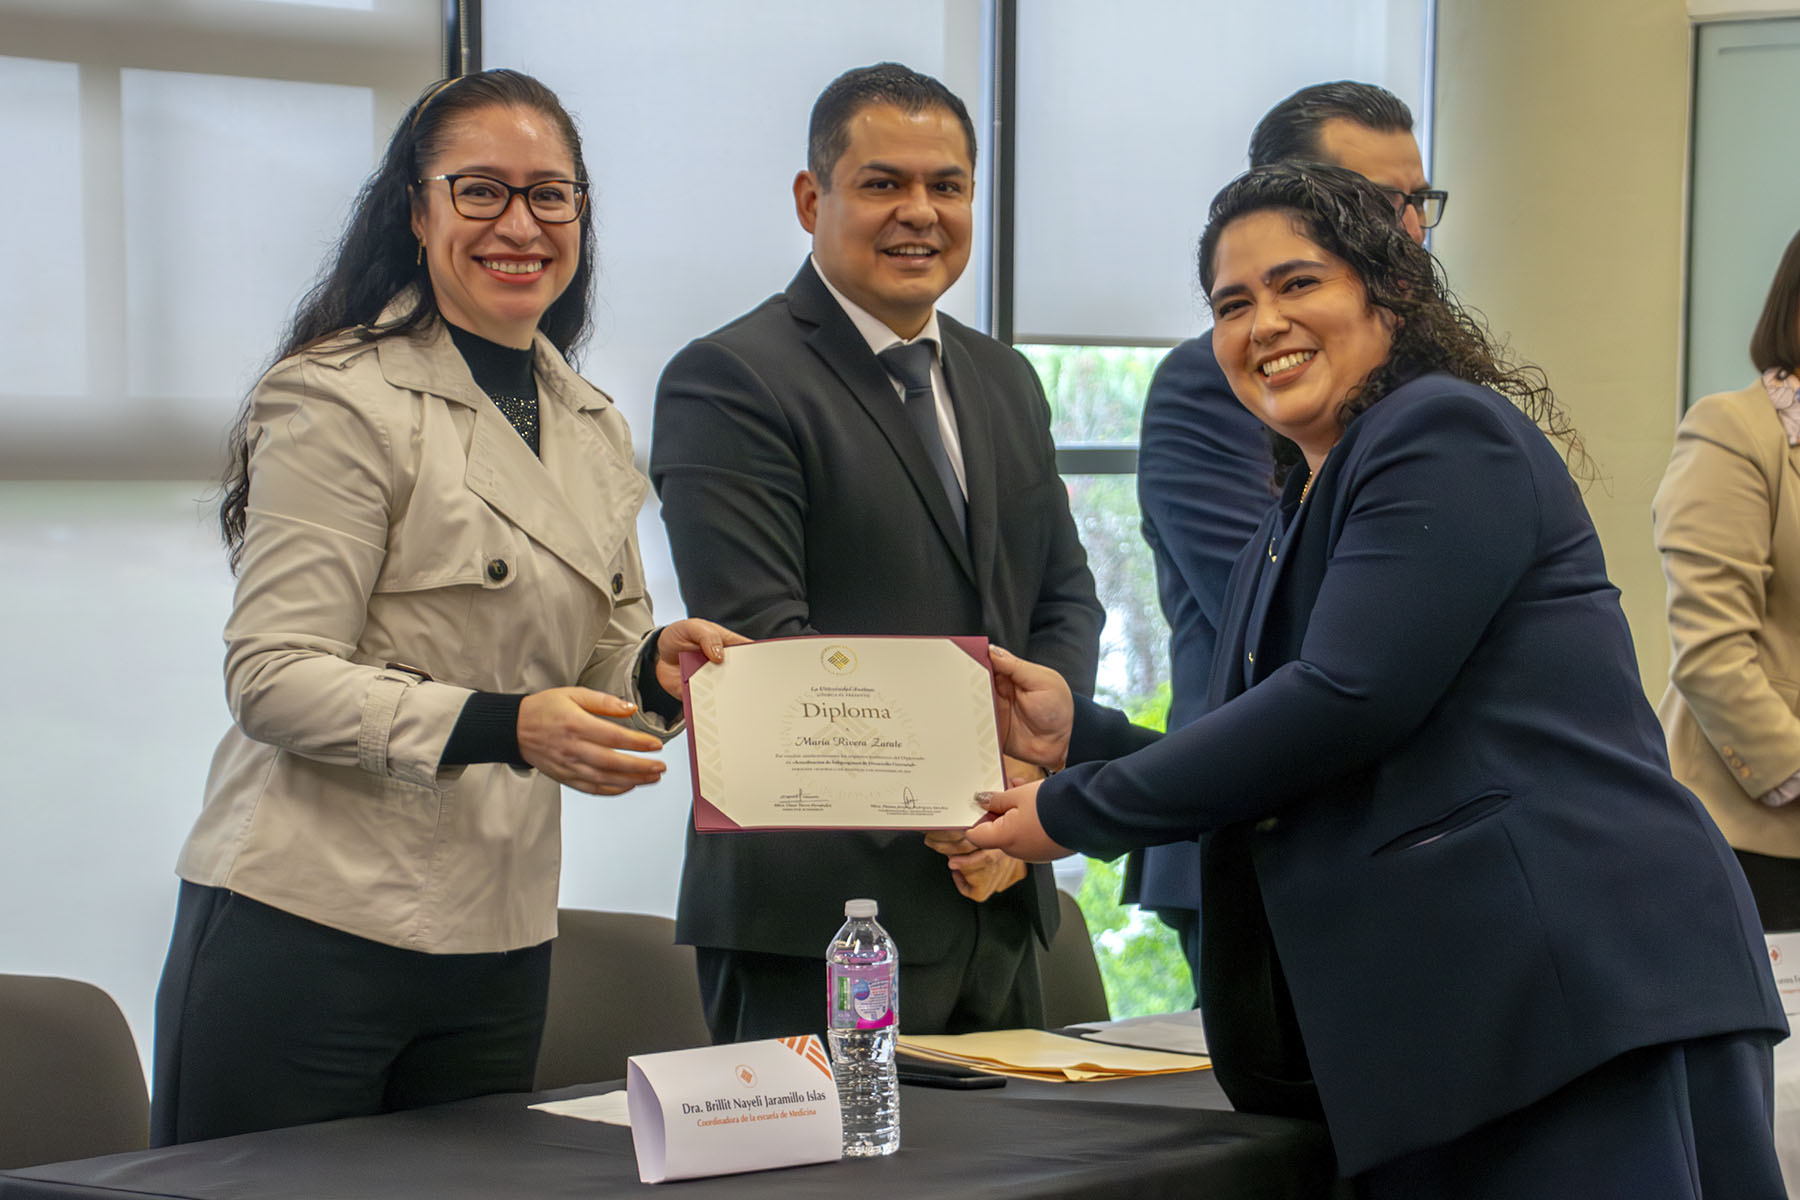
(440, 621)
(1728, 527)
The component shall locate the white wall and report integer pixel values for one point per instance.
(109, 632)
(1565, 227)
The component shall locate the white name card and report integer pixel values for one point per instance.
(722, 1110)
(1784, 960)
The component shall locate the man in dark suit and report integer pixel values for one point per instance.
(1203, 460)
(845, 459)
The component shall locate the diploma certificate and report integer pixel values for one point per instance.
(842, 733)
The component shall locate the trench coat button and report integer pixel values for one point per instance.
(618, 584)
(1250, 657)
(496, 569)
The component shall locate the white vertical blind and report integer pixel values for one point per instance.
(693, 115)
(41, 305)
(180, 171)
(235, 191)
(1132, 114)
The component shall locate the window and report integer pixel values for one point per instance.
(183, 170)
(177, 174)
(1130, 116)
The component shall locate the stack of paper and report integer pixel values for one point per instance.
(1178, 1031)
(1036, 1054)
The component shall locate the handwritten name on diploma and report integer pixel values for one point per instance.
(844, 731)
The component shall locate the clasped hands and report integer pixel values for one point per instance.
(571, 734)
(566, 733)
(1036, 712)
(977, 873)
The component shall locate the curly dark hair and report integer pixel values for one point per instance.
(377, 258)
(1353, 220)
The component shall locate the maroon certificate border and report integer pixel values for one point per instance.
(707, 816)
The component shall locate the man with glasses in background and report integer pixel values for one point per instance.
(1203, 460)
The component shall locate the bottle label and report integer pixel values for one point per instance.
(861, 997)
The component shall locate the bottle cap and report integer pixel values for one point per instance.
(859, 908)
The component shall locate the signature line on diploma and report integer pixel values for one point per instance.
(797, 794)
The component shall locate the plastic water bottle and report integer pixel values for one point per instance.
(862, 1013)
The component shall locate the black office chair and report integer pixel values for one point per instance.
(619, 985)
(1073, 990)
(71, 1083)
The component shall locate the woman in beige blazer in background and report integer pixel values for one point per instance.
(1728, 526)
(440, 620)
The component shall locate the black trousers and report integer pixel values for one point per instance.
(265, 1019)
(988, 980)
(1775, 882)
(1684, 1121)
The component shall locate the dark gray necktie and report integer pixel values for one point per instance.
(911, 365)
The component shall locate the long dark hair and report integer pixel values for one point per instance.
(377, 259)
(1775, 345)
(1349, 217)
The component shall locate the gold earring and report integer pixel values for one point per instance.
(420, 260)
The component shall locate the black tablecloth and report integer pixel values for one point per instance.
(1132, 1139)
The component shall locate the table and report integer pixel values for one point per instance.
(1136, 1139)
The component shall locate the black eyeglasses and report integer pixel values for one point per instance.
(1427, 202)
(483, 198)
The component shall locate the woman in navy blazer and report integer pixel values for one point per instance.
(1453, 901)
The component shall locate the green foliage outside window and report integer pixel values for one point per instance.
(1096, 395)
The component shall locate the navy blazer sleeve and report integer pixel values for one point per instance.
(1203, 486)
(1433, 517)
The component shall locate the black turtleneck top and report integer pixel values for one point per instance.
(505, 374)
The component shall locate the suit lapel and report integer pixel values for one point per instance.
(1271, 559)
(597, 491)
(579, 474)
(1792, 459)
(1227, 677)
(974, 429)
(1255, 588)
(835, 339)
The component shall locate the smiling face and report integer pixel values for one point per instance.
(496, 278)
(892, 230)
(1293, 328)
